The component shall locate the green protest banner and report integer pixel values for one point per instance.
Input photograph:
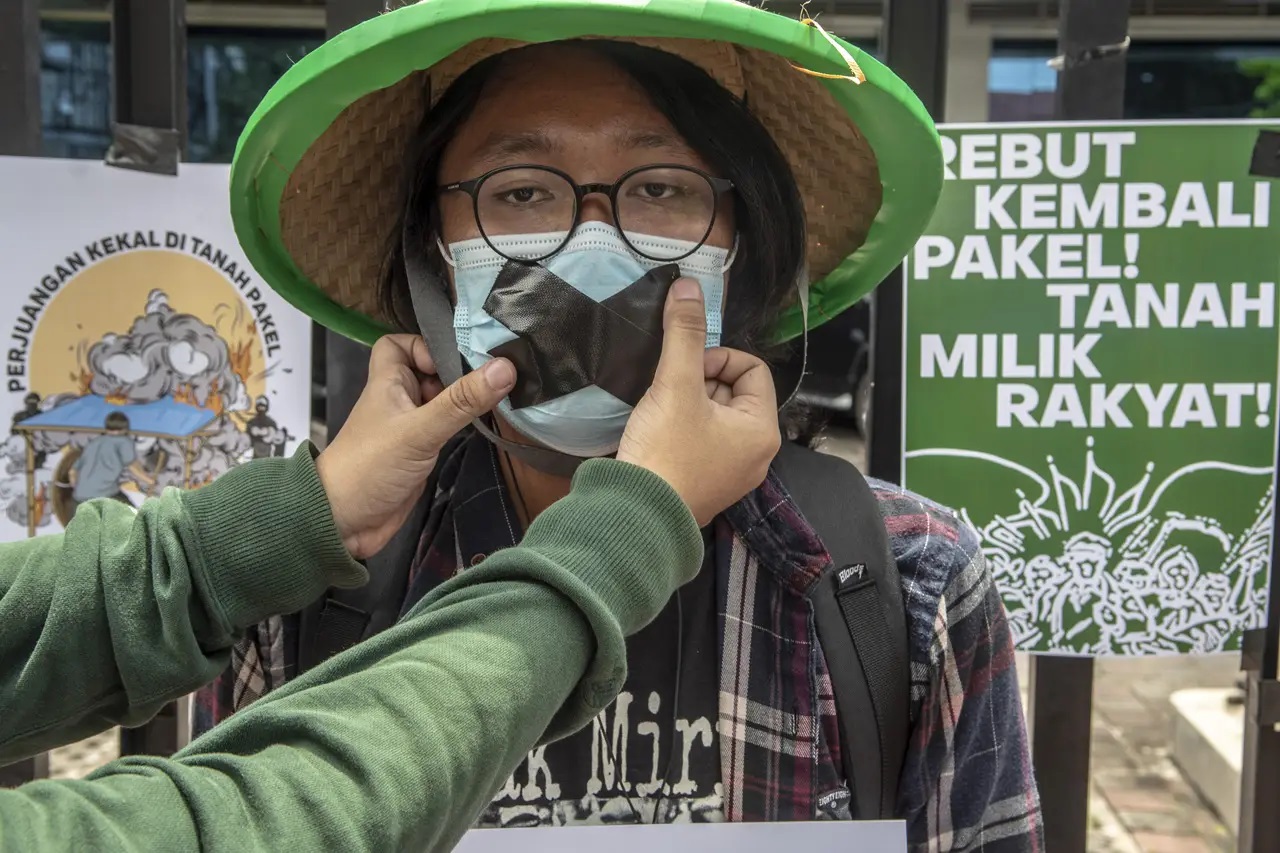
(1091, 375)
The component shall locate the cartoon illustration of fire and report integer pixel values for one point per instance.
(173, 387)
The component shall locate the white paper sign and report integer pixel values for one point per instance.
(141, 350)
(814, 837)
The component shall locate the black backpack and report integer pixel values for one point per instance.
(857, 605)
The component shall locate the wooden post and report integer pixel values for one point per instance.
(31, 484)
(155, 470)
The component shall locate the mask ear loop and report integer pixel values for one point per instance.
(802, 287)
(444, 254)
(732, 256)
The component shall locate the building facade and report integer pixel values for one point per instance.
(1207, 59)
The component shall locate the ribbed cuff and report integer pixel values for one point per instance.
(268, 542)
(617, 516)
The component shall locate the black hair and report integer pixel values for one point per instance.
(769, 211)
(117, 422)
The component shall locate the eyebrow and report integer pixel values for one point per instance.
(502, 145)
(653, 139)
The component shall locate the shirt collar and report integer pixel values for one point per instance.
(484, 518)
(774, 530)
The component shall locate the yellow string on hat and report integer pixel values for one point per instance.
(856, 74)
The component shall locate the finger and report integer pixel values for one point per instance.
(718, 392)
(753, 389)
(684, 338)
(472, 396)
(713, 362)
(422, 360)
(392, 352)
(429, 388)
(723, 364)
(748, 376)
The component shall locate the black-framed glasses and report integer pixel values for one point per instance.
(665, 212)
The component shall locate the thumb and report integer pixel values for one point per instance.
(684, 337)
(472, 396)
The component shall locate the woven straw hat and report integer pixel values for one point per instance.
(316, 177)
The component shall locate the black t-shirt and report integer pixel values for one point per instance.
(644, 757)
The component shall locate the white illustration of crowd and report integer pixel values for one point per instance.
(1087, 568)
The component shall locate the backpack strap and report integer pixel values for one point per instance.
(344, 617)
(861, 622)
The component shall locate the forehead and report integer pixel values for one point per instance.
(562, 105)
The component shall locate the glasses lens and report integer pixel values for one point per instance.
(671, 203)
(525, 201)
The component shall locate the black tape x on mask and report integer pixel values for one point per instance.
(583, 327)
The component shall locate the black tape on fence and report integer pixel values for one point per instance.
(1066, 61)
(1266, 155)
(144, 149)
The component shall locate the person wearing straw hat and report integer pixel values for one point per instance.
(526, 180)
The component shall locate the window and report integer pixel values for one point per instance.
(75, 89)
(1020, 84)
(1197, 80)
(1164, 80)
(228, 72)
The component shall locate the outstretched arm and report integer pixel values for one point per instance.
(398, 743)
(126, 611)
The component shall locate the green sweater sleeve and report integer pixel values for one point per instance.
(398, 743)
(126, 611)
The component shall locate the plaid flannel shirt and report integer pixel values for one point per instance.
(967, 784)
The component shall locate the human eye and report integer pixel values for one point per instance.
(657, 190)
(523, 196)
(662, 186)
(522, 189)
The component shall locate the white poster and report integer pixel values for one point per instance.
(888, 836)
(141, 350)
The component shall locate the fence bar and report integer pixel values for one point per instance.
(149, 91)
(913, 42)
(1090, 86)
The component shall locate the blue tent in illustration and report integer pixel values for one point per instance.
(164, 418)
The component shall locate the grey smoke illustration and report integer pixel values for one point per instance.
(164, 353)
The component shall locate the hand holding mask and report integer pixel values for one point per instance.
(709, 423)
(376, 468)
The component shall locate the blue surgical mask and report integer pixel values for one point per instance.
(597, 262)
